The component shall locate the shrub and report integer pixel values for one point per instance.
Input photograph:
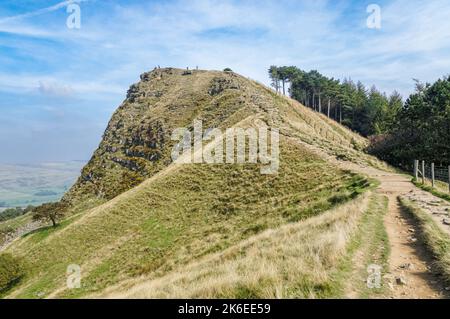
(11, 270)
(11, 213)
(50, 212)
(227, 70)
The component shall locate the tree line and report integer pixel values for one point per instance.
(422, 127)
(11, 213)
(47, 212)
(366, 111)
(400, 132)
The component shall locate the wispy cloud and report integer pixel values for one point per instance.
(57, 86)
(48, 88)
(38, 12)
(120, 39)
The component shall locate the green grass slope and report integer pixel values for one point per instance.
(298, 260)
(176, 217)
(155, 215)
(136, 144)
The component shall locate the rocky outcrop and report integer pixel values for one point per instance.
(136, 143)
(219, 84)
(9, 237)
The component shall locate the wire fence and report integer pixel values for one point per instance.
(430, 173)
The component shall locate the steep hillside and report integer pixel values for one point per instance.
(267, 265)
(157, 215)
(137, 144)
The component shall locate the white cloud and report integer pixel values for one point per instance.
(135, 37)
(24, 30)
(58, 86)
(54, 89)
(118, 42)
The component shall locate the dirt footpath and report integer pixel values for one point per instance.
(409, 262)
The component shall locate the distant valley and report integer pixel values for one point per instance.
(34, 184)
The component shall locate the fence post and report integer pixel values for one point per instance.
(423, 172)
(416, 169)
(432, 175)
(449, 178)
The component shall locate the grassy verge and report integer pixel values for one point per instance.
(436, 192)
(434, 238)
(368, 246)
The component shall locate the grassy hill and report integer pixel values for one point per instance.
(136, 214)
(296, 260)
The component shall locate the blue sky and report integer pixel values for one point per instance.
(59, 86)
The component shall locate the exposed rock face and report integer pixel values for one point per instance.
(8, 237)
(137, 142)
(219, 84)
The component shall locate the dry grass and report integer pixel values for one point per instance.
(15, 223)
(440, 188)
(183, 213)
(293, 261)
(317, 130)
(369, 246)
(208, 208)
(172, 100)
(11, 226)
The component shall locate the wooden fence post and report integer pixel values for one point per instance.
(449, 178)
(432, 175)
(416, 169)
(423, 172)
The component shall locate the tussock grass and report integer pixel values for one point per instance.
(436, 240)
(178, 217)
(293, 261)
(369, 246)
(321, 132)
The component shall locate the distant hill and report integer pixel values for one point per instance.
(137, 213)
(136, 144)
